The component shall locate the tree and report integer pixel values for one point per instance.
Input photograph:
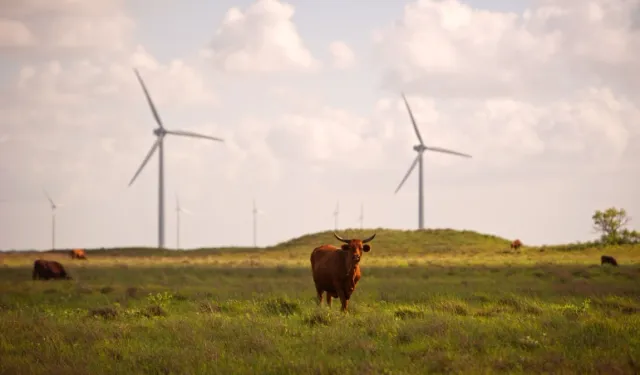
(611, 226)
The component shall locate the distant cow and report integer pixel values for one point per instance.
(336, 271)
(78, 254)
(49, 269)
(516, 244)
(606, 259)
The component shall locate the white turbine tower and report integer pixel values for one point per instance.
(179, 209)
(53, 219)
(160, 133)
(420, 149)
(335, 215)
(361, 218)
(255, 212)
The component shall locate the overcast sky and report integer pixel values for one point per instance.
(306, 94)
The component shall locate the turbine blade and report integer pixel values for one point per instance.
(184, 210)
(48, 197)
(146, 159)
(438, 149)
(177, 202)
(146, 93)
(413, 165)
(193, 135)
(413, 120)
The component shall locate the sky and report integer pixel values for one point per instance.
(544, 94)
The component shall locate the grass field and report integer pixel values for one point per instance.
(437, 301)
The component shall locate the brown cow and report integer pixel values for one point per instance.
(78, 254)
(336, 271)
(608, 259)
(49, 269)
(516, 244)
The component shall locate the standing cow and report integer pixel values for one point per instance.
(49, 269)
(336, 271)
(516, 244)
(78, 254)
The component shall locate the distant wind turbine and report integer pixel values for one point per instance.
(335, 215)
(179, 209)
(53, 219)
(420, 149)
(361, 218)
(255, 212)
(160, 133)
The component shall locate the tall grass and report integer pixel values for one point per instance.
(428, 302)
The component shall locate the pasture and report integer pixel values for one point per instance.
(436, 301)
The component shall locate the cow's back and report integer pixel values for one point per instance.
(321, 256)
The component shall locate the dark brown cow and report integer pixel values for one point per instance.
(49, 269)
(607, 259)
(336, 271)
(78, 254)
(516, 244)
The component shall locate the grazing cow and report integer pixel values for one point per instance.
(606, 259)
(516, 244)
(78, 254)
(49, 269)
(336, 271)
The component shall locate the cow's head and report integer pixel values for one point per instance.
(354, 248)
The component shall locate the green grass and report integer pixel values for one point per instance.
(429, 302)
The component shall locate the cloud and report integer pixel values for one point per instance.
(14, 34)
(261, 39)
(342, 55)
(95, 24)
(467, 52)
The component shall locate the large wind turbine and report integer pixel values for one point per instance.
(256, 212)
(53, 219)
(160, 132)
(179, 209)
(420, 149)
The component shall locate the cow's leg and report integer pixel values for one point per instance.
(319, 291)
(343, 300)
(328, 298)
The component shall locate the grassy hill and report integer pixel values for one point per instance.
(391, 241)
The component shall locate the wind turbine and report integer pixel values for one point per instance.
(335, 215)
(361, 218)
(256, 212)
(420, 149)
(53, 219)
(179, 209)
(160, 132)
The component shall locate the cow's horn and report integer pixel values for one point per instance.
(368, 239)
(340, 238)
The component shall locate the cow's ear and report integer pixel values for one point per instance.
(345, 247)
(366, 248)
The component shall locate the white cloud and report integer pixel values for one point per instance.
(14, 34)
(467, 52)
(85, 24)
(342, 55)
(263, 38)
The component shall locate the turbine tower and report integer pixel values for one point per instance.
(361, 218)
(160, 132)
(53, 219)
(335, 215)
(179, 209)
(255, 212)
(420, 149)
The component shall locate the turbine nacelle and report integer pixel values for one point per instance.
(419, 148)
(159, 132)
